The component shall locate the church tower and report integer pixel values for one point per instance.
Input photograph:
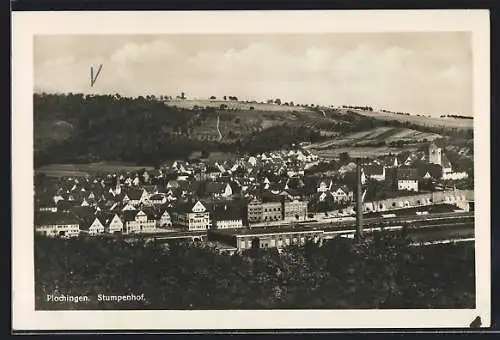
(434, 154)
(118, 187)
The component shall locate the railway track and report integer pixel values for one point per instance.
(425, 234)
(394, 220)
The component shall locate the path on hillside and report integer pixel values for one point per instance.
(218, 130)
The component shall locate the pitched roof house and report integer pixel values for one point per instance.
(374, 171)
(218, 189)
(407, 179)
(58, 224)
(227, 217)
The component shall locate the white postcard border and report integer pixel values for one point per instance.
(27, 24)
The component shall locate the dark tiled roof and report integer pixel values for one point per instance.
(433, 169)
(150, 188)
(226, 213)
(105, 217)
(173, 184)
(212, 169)
(84, 212)
(407, 174)
(445, 161)
(184, 207)
(85, 224)
(134, 194)
(129, 215)
(215, 188)
(198, 187)
(66, 205)
(184, 185)
(107, 196)
(57, 218)
(373, 169)
(344, 188)
(151, 213)
(162, 209)
(268, 196)
(156, 197)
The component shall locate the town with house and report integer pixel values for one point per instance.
(274, 191)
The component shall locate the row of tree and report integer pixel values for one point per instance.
(364, 108)
(456, 116)
(396, 112)
(225, 98)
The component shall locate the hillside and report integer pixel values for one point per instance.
(75, 128)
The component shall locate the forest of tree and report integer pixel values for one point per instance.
(379, 272)
(278, 137)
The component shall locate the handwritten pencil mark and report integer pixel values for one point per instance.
(93, 78)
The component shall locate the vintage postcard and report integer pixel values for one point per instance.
(251, 170)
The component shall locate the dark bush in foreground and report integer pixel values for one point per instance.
(384, 272)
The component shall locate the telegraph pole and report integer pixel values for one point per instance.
(359, 201)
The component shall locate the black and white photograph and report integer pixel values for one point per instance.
(218, 170)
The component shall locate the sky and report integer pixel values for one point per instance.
(421, 73)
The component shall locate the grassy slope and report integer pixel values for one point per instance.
(378, 134)
(239, 124)
(420, 120)
(357, 144)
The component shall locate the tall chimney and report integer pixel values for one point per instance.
(359, 203)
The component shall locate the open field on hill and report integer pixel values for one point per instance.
(238, 124)
(63, 170)
(231, 104)
(361, 152)
(420, 120)
(376, 135)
